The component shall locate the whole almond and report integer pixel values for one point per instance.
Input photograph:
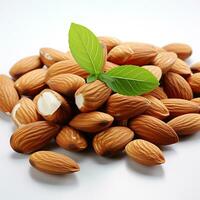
(50, 56)
(92, 122)
(157, 93)
(177, 87)
(32, 82)
(25, 112)
(71, 139)
(109, 42)
(32, 137)
(153, 130)
(8, 94)
(53, 163)
(144, 152)
(132, 53)
(186, 124)
(157, 108)
(91, 96)
(156, 71)
(112, 141)
(66, 84)
(183, 51)
(124, 107)
(108, 66)
(195, 67)
(196, 100)
(194, 82)
(165, 60)
(178, 107)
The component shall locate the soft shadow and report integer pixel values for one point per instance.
(65, 180)
(168, 149)
(189, 138)
(18, 156)
(4, 117)
(154, 171)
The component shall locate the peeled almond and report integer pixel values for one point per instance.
(157, 93)
(194, 82)
(156, 71)
(109, 42)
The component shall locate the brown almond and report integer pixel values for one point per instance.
(144, 152)
(108, 66)
(157, 93)
(196, 100)
(53, 163)
(153, 130)
(109, 42)
(195, 67)
(194, 82)
(112, 141)
(156, 71)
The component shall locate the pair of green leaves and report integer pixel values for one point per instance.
(89, 54)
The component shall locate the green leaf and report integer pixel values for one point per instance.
(130, 80)
(86, 49)
(91, 78)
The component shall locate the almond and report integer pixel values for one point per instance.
(8, 94)
(52, 106)
(91, 96)
(66, 84)
(157, 93)
(194, 82)
(196, 100)
(91, 122)
(165, 60)
(124, 107)
(32, 82)
(112, 141)
(183, 51)
(132, 53)
(177, 87)
(71, 139)
(157, 108)
(108, 66)
(34, 136)
(53, 163)
(196, 67)
(66, 67)
(144, 152)
(109, 42)
(156, 71)
(153, 130)
(25, 112)
(186, 124)
(50, 56)
(178, 107)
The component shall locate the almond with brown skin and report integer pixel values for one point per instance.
(8, 94)
(183, 51)
(178, 107)
(195, 67)
(132, 53)
(66, 84)
(186, 124)
(144, 152)
(153, 130)
(32, 82)
(112, 141)
(177, 87)
(108, 66)
(91, 96)
(194, 82)
(157, 93)
(156, 71)
(92, 122)
(53, 163)
(34, 136)
(25, 112)
(196, 100)
(109, 42)
(71, 139)
(124, 107)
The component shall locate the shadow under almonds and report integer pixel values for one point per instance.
(18, 156)
(4, 117)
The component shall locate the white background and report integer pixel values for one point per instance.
(26, 26)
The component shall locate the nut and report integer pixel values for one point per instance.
(157, 93)
(156, 71)
(194, 82)
(108, 66)
(109, 42)
(196, 67)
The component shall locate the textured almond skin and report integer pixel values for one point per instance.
(94, 95)
(157, 93)
(132, 53)
(71, 139)
(66, 84)
(178, 107)
(177, 87)
(112, 141)
(195, 67)
(32, 82)
(50, 56)
(153, 130)
(66, 67)
(194, 82)
(92, 122)
(53, 163)
(25, 112)
(109, 42)
(165, 60)
(157, 108)
(108, 66)
(196, 100)
(25, 65)
(144, 152)
(32, 137)
(183, 51)
(156, 71)
(124, 107)
(8, 94)
(186, 124)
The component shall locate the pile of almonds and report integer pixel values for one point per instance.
(49, 99)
